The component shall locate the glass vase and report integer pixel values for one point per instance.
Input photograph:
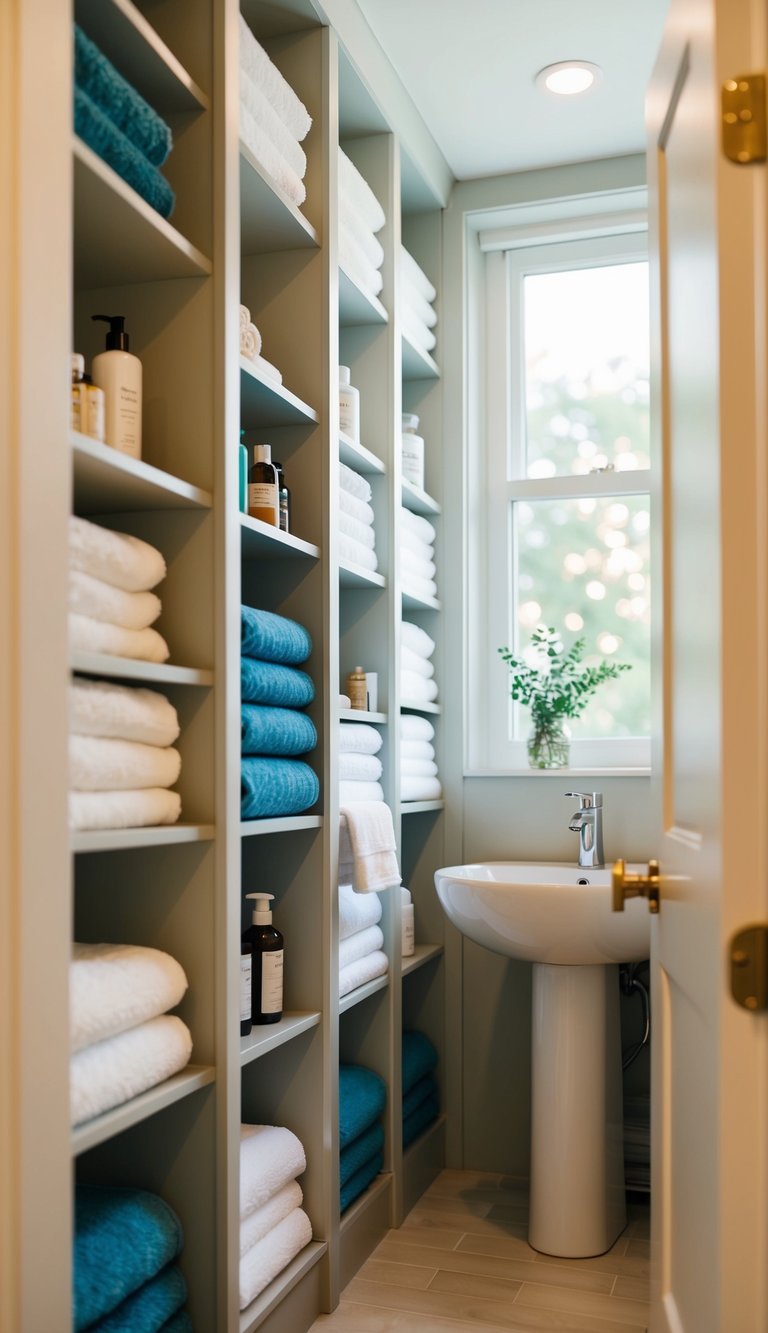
(549, 745)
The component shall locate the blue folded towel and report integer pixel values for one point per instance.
(362, 1098)
(359, 1182)
(265, 730)
(181, 1323)
(123, 1237)
(419, 1057)
(276, 787)
(149, 1308)
(360, 1151)
(420, 1119)
(120, 102)
(272, 638)
(271, 683)
(426, 1087)
(112, 146)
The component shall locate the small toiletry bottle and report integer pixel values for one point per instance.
(118, 373)
(92, 408)
(357, 688)
(349, 406)
(284, 496)
(412, 450)
(246, 996)
(267, 960)
(407, 923)
(78, 366)
(243, 475)
(263, 489)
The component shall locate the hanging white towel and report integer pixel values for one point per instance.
(269, 1256)
(102, 601)
(113, 987)
(261, 1221)
(96, 636)
(352, 792)
(359, 738)
(367, 847)
(359, 767)
(99, 708)
(415, 728)
(100, 764)
(359, 945)
(365, 969)
(410, 661)
(123, 809)
(288, 105)
(116, 557)
(416, 638)
(270, 1156)
(111, 1072)
(357, 911)
(351, 481)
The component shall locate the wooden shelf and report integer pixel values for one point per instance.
(423, 953)
(358, 457)
(118, 237)
(417, 500)
(418, 364)
(265, 403)
(271, 1296)
(250, 828)
(128, 839)
(420, 807)
(409, 707)
(363, 992)
(269, 220)
(125, 37)
(267, 1037)
(413, 603)
(107, 482)
(139, 1108)
(128, 668)
(361, 715)
(355, 576)
(357, 306)
(261, 540)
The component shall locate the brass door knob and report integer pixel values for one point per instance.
(626, 885)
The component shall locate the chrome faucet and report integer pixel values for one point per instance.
(587, 821)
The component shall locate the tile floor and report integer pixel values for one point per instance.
(461, 1263)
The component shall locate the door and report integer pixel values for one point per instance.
(710, 1057)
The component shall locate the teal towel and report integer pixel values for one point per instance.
(359, 1182)
(271, 683)
(420, 1119)
(357, 1153)
(276, 787)
(272, 638)
(265, 730)
(123, 1237)
(111, 145)
(149, 1308)
(120, 102)
(426, 1087)
(419, 1057)
(362, 1098)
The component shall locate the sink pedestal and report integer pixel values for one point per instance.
(577, 1203)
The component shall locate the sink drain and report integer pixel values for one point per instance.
(582, 881)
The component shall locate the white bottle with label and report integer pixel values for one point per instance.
(408, 944)
(349, 406)
(412, 450)
(118, 373)
(267, 962)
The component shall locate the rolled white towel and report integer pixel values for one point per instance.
(359, 767)
(359, 509)
(352, 552)
(102, 601)
(97, 763)
(418, 304)
(360, 532)
(417, 689)
(270, 1255)
(424, 589)
(411, 541)
(250, 342)
(288, 105)
(417, 768)
(357, 911)
(359, 738)
(418, 524)
(258, 142)
(416, 638)
(415, 728)
(365, 969)
(353, 260)
(111, 1072)
(245, 316)
(99, 708)
(415, 276)
(113, 987)
(351, 481)
(253, 99)
(270, 1156)
(262, 1220)
(123, 809)
(116, 557)
(344, 702)
(419, 789)
(96, 636)
(352, 792)
(410, 661)
(416, 332)
(417, 564)
(422, 749)
(354, 187)
(360, 944)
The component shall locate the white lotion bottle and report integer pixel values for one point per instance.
(349, 406)
(118, 373)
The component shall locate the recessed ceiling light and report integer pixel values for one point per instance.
(569, 77)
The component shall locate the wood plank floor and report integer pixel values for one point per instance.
(461, 1263)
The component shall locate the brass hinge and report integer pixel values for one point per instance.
(749, 968)
(743, 111)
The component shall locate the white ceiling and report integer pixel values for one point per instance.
(470, 65)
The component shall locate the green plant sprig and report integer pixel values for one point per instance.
(564, 690)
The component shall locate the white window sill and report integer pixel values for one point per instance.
(558, 773)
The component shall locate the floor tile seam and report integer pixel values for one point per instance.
(556, 1286)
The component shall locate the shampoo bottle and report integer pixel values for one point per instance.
(267, 962)
(118, 373)
(263, 487)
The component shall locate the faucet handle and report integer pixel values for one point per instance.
(587, 800)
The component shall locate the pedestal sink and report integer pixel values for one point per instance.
(559, 918)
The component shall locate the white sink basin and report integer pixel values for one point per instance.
(544, 913)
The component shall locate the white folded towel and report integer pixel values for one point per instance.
(416, 638)
(102, 601)
(344, 702)
(253, 99)
(359, 738)
(365, 969)
(359, 509)
(416, 332)
(113, 1071)
(250, 341)
(414, 728)
(258, 142)
(289, 107)
(353, 792)
(354, 553)
(414, 562)
(410, 661)
(351, 481)
(359, 532)
(354, 187)
(97, 763)
(267, 370)
(123, 809)
(270, 1156)
(415, 586)
(411, 541)
(359, 945)
(417, 303)
(417, 768)
(113, 987)
(417, 689)
(359, 767)
(96, 636)
(261, 1221)
(124, 561)
(419, 789)
(99, 708)
(352, 220)
(352, 259)
(416, 749)
(357, 911)
(413, 275)
(419, 525)
(367, 847)
(269, 1256)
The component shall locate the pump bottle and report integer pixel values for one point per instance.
(267, 962)
(118, 373)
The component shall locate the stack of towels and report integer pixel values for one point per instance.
(121, 756)
(421, 1097)
(357, 537)
(273, 728)
(111, 607)
(417, 555)
(418, 770)
(273, 120)
(360, 218)
(416, 297)
(417, 671)
(125, 1278)
(273, 1226)
(359, 766)
(362, 1098)
(361, 940)
(122, 1038)
(119, 126)
(250, 347)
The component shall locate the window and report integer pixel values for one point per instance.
(563, 485)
